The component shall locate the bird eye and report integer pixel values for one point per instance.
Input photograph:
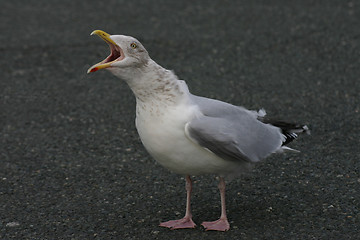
(133, 45)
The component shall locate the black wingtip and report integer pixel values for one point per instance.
(289, 130)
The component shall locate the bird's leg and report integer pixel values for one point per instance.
(222, 223)
(186, 221)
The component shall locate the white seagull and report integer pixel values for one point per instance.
(188, 134)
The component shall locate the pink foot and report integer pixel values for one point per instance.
(185, 222)
(218, 225)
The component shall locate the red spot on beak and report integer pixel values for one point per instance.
(94, 69)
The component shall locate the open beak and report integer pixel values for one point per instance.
(116, 53)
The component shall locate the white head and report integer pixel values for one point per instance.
(127, 54)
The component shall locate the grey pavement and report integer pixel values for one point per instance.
(72, 165)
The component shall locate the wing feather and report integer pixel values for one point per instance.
(235, 134)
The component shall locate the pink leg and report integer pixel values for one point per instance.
(185, 222)
(222, 224)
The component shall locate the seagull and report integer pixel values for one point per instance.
(188, 134)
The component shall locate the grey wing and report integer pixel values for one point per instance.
(236, 134)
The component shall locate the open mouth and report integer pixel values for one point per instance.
(116, 53)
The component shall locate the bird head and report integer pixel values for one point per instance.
(125, 52)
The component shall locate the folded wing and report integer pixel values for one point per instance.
(233, 133)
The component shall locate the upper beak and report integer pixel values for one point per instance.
(116, 52)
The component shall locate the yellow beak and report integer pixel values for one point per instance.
(106, 37)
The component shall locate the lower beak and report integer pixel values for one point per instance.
(98, 66)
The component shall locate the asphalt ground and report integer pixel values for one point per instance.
(72, 165)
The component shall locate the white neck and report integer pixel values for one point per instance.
(151, 82)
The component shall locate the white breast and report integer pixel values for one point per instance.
(162, 131)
